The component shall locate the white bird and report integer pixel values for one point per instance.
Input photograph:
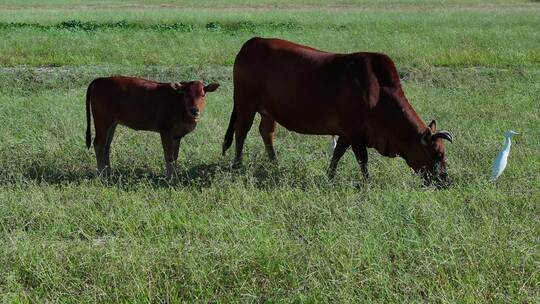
(333, 145)
(502, 158)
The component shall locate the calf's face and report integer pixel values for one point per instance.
(193, 96)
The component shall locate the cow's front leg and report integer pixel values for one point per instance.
(360, 151)
(341, 147)
(176, 148)
(168, 143)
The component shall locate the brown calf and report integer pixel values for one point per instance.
(356, 96)
(172, 109)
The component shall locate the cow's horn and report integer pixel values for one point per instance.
(442, 134)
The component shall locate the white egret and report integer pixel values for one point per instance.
(502, 158)
(333, 145)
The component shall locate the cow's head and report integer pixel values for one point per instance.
(429, 159)
(193, 94)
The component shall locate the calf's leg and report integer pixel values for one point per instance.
(168, 144)
(267, 128)
(176, 148)
(341, 147)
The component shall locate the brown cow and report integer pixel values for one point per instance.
(172, 109)
(356, 96)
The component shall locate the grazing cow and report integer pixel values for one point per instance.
(356, 96)
(172, 109)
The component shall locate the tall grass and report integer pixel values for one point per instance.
(447, 38)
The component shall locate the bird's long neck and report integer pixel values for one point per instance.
(507, 143)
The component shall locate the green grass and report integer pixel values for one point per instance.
(493, 36)
(282, 233)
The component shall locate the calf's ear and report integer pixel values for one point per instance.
(177, 86)
(211, 87)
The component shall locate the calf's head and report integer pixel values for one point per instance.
(429, 157)
(193, 96)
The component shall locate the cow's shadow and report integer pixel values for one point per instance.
(261, 175)
(48, 174)
(200, 175)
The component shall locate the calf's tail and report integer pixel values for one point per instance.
(227, 141)
(88, 116)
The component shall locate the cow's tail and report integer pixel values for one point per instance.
(88, 117)
(227, 141)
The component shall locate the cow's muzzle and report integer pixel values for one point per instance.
(440, 180)
(194, 112)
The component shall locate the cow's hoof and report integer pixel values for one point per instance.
(236, 165)
(104, 173)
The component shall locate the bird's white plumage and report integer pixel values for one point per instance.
(502, 158)
(333, 145)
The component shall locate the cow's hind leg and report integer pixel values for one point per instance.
(107, 153)
(242, 127)
(267, 127)
(100, 145)
(360, 151)
(341, 147)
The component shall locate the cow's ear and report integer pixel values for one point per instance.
(211, 87)
(433, 126)
(426, 137)
(178, 86)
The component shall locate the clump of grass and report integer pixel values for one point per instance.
(89, 26)
(176, 26)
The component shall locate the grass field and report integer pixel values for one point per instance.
(282, 233)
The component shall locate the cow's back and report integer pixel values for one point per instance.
(274, 62)
(307, 90)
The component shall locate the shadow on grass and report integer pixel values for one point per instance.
(259, 174)
(196, 176)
